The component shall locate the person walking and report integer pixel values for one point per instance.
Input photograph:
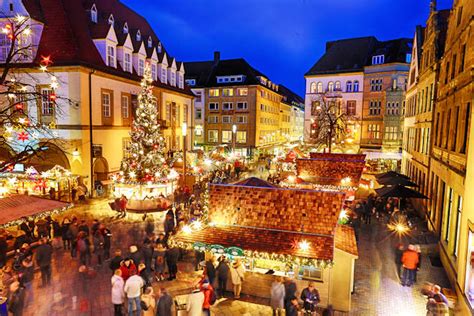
(107, 240)
(409, 262)
(209, 296)
(159, 255)
(148, 300)
(310, 298)
(172, 256)
(237, 276)
(418, 265)
(26, 279)
(128, 268)
(398, 259)
(16, 301)
(147, 253)
(44, 254)
(290, 289)
(116, 261)
(64, 234)
(164, 303)
(222, 275)
(83, 248)
(277, 297)
(195, 302)
(118, 294)
(132, 288)
(210, 271)
(98, 240)
(73, 231)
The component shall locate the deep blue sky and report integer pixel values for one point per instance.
(280, 38)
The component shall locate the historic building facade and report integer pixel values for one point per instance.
(97, 59)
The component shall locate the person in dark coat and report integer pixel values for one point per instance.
(44, 254)
(210, 270)
(147, 252)
(84, 228)
(291, 306)
(26, 228)
(169, 225)
(115, 262)
(136, 255)
(107, 240)
(65, 235)
(290, 289)
(222, 275)
(98, 240)
(398, 259)
(310, 297)
(172, 256)
(27, 276)
(95, 226)
(162, 240)
(164, 304)
(16, 302)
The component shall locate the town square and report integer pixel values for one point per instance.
(266, 157)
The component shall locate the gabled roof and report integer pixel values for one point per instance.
(255, 182)
(395, 51)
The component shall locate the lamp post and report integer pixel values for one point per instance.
(234, 131)
(185, 133)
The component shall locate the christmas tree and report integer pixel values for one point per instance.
(145, 161)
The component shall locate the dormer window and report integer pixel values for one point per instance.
(111, 19)
(159, 47)
(150, 42)
(125, 28)
(94, 13)
(139, 36)
(378, 59)
(111, 56)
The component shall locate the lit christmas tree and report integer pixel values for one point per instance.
(146, 162)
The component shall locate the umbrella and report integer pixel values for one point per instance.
(391, 174)
(397, 180)
(399, 191)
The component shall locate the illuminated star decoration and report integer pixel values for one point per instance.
(22, 136)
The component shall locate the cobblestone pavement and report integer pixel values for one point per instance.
(377, 288)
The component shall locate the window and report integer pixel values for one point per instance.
(447, 73)
(374, 131)
(459, 16)
(241, 137)
(163, 75)
(315, 107)
(226, 119)
(5, 43)
(376, 85)
(138, 37)
(227, 106)
(191, 82)
(47, 105)
(198, 95)
(378, 59)
(319, 87)
(125, 28)
(391, 133)
(111, 56)
(213, 136)
(242, 106)
(198, 114)
(153, 71)
(213, 106)
(349, 86)
(453, 68)
(312, 88)
(213, 92)
(331, 86)
(408, 58)
(141, 66)
(458, 226)
(94, 14)
(337, 86)
(226, 136)
(159, 47)
(127, 64)
(310, 273)
(227, 92)
(213, 119)
(356, 86)
(463, 57)
(106, 104)
(351, 107)
(241, 119)
(150, 42)
(448, 214)
(375, 107)
(111, 19)
(467, 121)
(455, 129)
(125, 106)
(126, 143)
(243, 91)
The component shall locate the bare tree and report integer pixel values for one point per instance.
(329, 121)
(20, 129)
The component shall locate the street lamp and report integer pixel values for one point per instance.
(234, 131)
(185, 133)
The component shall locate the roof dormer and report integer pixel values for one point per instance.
(94, 13)
(159, 47)
(111, 19)
(150, 42)
(125, 28)
(138, 37)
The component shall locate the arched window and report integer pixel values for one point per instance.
(331, 86)
(338, 86)
(349, 86)
(111, 19)
(312, 88)
(159, 47)
(125, 28)
(139, 36)
(94, 13)
(150, 42)
(356, 86)
(320, 87)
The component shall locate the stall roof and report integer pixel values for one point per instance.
(345, 240)
(263, 240)
(255, 182)
(17, 206)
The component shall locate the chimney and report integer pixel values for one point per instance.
(217, 56)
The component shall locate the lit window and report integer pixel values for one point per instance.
(111, 56)
(227, 106)
(213, 136)
(310, 273)
(94, 14)
(106, 105)
(227, 92)
(351, 107)
(163, 75)
(337, 86)
(312, 88)
(127, 64)
(213, 106)
(319, 88)
(374, 131)
(331, 86)
(378, 59)
(5, 44)
(226, 136)
(213, 92)
(153, 71)
(47, 105)
(349, 86)
(159, 47)
(243, 91)
(125, 106)
(408, 58)
(356, 86)
(241, 137)
(141, 66)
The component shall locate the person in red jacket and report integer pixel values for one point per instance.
(128, 269)
(209, 296)
(410, 264)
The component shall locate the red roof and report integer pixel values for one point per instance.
(18, 206)
(345, 239)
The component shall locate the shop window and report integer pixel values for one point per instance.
(213, 136)
(226, 136)
(241, 137)
(310, 273)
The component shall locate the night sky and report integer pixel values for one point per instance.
(280, 38)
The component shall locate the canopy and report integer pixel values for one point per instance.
(391, 174)
(400, 192)
(397, 180)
